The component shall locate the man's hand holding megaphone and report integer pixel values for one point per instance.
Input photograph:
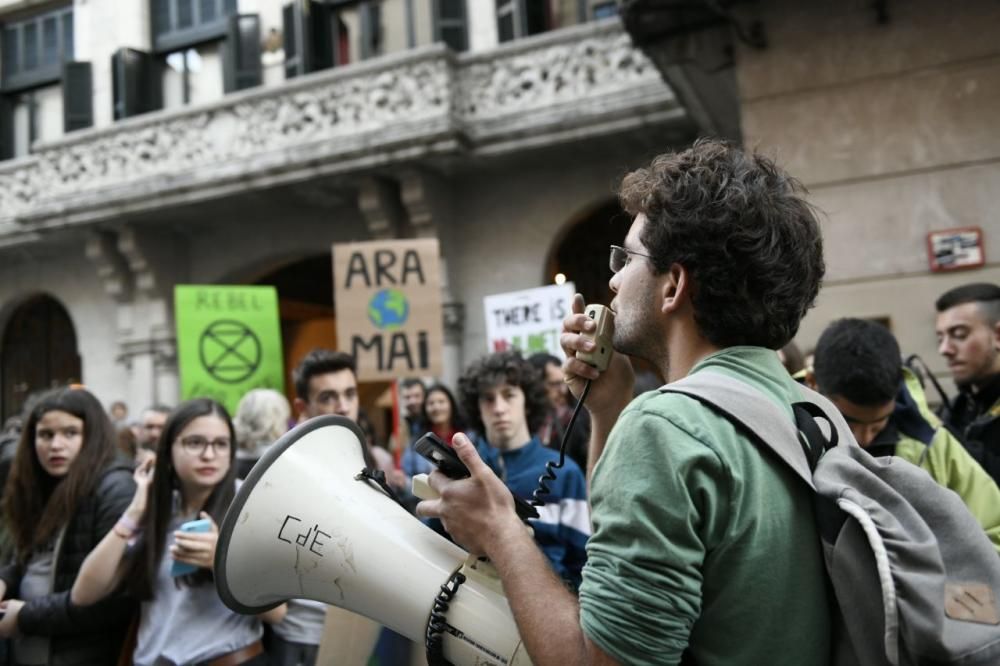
(477, 511)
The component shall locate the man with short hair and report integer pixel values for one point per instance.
(506, 398)
(151, 426)
(411, 394)
(968, 333)
(554, 426)
(704, 547)
(326, 383)
(858, 366)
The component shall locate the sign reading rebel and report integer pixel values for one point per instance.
(388, 300)
(228, 341)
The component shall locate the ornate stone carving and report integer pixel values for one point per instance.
(564, 72)
(352, 116)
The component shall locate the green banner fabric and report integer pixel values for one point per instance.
(228, 341)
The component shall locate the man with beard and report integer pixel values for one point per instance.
(704, 547)
(968, 333)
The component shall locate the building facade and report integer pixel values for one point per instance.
(889, 113)
(164, 142)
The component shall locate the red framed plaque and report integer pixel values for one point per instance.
(955, 249)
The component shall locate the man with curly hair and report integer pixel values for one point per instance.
(704, 547)
(507, 400)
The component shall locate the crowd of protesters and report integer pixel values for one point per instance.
(109, 527)
(92, 515)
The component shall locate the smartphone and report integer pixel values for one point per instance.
(433, 449)
(183, 568)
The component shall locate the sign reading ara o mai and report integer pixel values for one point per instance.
(228, 341)
(388, 300)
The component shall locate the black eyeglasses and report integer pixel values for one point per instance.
(620, 257)
(196, 444)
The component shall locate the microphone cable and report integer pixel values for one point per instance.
(551, 466)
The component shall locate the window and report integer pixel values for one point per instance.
(450, 24)
(35, 48)
(371, 29)
(315, 37)
(36, 115)
(602, 10)
(192, 76)
(521, 18)
(178, 24)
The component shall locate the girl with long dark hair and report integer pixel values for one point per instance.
(182, 618)
(66, 488)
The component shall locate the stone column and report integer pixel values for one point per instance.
(139, 270)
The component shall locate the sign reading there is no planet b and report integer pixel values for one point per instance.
(388, 303)
(228, 341)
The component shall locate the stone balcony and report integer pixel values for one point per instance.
(418, 105)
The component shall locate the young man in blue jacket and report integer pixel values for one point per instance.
(506, 396)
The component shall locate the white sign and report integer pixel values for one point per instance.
(528, 320)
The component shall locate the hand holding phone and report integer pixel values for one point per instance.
(442, 455)
(202, 526)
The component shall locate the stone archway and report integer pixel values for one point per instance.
(580, 250)
(39, 351)
(308, 320)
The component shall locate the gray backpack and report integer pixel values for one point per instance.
(914, 575)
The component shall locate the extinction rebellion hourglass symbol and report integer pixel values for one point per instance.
(229, 351)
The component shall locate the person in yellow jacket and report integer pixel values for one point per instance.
(858, 367)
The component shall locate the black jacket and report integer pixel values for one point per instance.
(81, 634)
(975, 417)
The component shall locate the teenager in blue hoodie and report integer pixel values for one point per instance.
(505, 397)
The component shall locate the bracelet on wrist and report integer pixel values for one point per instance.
(129, 524)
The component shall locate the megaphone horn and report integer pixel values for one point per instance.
(303, 525)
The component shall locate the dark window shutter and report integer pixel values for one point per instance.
(450, 24)
(291, 36)
(6, 127)
(371, 29)
(322, 20)
(78, 96)
(241, 60)
(136, 83)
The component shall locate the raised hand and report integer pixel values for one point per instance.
(612, 389)
(476, 510)
(196, 548)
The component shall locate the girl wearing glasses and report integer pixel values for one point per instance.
(182, 619)
(66, 485)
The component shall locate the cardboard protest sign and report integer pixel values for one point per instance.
(388, 303)
(228, 341)
(528, 320)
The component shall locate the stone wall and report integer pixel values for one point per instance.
(893, 127)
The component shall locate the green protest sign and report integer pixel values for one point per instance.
(228, 341)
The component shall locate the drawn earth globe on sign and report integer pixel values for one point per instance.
(388, 309)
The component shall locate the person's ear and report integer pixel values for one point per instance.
(300, 406)
(676, 288)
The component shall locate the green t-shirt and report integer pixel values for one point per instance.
(702, 541)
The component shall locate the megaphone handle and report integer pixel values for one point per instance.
(422, 489)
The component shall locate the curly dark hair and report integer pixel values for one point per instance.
(498, 368)
(860, 361)
(744, 232)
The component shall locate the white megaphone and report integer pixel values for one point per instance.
(305, 525)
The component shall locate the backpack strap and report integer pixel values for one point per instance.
(748, 409)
